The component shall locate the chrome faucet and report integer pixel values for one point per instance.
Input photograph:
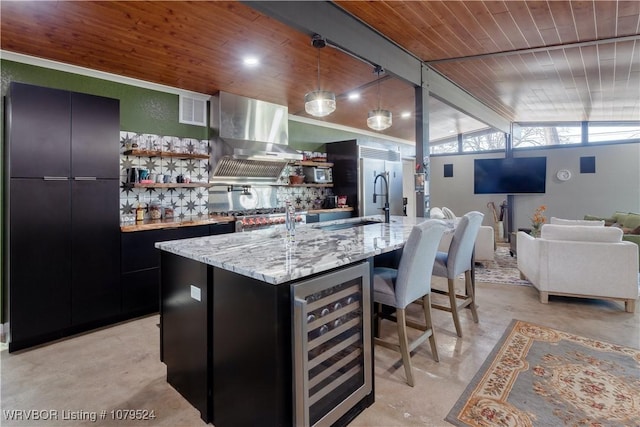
(386, 209)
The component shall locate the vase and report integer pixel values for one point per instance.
(535, 230)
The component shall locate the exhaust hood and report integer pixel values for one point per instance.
(249, 142)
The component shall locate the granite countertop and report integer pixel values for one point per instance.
(157, 224)
(265, 254)
(345, 209)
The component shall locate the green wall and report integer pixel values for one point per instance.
(141, 111)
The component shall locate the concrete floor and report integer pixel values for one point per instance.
(119, 368)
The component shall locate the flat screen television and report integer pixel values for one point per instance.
(510, 175)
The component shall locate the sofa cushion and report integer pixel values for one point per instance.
(619, 217)
(436, 213)
(635, 230)
(607, 221)
(560, 221)
(631, 221)
(448, 213)
(581, 233)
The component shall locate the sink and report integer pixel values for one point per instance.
(345, 225)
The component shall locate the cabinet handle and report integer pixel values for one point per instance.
(84, 178)
(55, 178)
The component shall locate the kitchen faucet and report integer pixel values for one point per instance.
(383, 175)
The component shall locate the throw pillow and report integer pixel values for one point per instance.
(448, 213)
(635, 230)
(436, 213)
(619, 217)
(632, 220)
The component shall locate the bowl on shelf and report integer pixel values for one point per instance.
(296, 179)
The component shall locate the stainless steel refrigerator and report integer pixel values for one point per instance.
(355, 166)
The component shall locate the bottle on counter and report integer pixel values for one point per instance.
(139, 213)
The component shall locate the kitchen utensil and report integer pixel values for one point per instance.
(132, 175)
(330, 202)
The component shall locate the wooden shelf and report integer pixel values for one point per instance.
(171, 185)
(152, 153)
(309, 185)
(310, 163)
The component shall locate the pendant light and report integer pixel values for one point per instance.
(379, 119)
(319, 103)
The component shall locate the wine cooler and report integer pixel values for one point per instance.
(332, 345)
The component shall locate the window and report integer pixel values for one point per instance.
(444, 146)
(608, 132)
(536, 135)
(486, 140)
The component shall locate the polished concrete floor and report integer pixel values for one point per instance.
(118, 367)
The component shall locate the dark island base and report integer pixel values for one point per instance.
(230, 353)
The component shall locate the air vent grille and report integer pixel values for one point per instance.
(376, 153)
(193, 111)
(232, 168)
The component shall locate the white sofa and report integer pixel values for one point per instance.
(485, 246)
(582, 261)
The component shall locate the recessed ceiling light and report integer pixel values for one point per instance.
(353, 96)
(452, 131)
(250, 61)
(405, 115)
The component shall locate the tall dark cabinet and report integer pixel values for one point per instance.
(62, 235)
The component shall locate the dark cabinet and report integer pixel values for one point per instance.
(38, 131)
(327, 216)
(141, 263)
(92, 127)
(39, 294)
(63, 226)
(95, 243)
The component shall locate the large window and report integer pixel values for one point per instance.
(483, 141)
(444, 146)
(537, 135)
(611, 131)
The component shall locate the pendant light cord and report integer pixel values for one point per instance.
(318, 68)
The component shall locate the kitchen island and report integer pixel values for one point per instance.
(259, 329)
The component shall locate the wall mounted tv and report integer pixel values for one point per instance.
(510, 175)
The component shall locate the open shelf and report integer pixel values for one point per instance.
(309, 185)
(310, 163)
(153, 153)
(171, 185)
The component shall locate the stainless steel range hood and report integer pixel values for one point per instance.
(249, 143)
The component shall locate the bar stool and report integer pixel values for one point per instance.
(458, 260)
(411, 281)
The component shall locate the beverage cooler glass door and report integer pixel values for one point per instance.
(332, 344)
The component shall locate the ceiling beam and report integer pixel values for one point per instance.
(360, 40)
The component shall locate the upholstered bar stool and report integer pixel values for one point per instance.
(411, 281)
(458, 260)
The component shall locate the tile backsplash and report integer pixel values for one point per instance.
(186, 202)
(191, 201)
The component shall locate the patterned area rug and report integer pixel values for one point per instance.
(504, 269)
(538, 376)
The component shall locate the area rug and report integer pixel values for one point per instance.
(538, 376)
(503, 269)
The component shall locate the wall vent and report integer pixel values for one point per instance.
(379, 154)
(193, 111)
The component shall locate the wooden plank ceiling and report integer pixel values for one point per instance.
(199, 46)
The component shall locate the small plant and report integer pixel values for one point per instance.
(537, 220)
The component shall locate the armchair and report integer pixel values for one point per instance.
(580, 261)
